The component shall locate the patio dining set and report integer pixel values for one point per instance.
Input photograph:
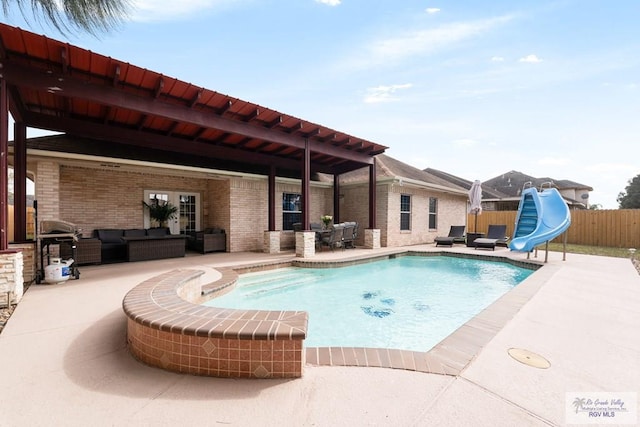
(342, 235)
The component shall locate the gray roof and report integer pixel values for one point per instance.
(389, 167)
(511, 183)
(487, 193)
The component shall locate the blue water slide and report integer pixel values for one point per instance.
(541, 217)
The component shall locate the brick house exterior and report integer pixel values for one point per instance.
(102, 192)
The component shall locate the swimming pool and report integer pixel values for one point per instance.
(408, 303)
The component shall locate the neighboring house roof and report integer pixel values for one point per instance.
(511, 183)
(388, 167)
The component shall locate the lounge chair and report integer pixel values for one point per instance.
(496, 235)
(456, 235)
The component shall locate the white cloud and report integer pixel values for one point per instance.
(164, 10)
(531, 59)
(427, 41)
(383, 93)
(329, 2)
(432, 10)
(497, 59)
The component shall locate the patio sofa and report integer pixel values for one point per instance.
(209, 240)
(139, 244)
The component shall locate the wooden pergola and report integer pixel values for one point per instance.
(52, 85)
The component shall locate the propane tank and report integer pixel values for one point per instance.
(58, 271)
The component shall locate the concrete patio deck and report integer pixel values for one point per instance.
(64, 359)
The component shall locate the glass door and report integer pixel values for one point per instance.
(186, 219)
(189, 208)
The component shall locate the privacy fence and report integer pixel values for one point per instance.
(614, 228)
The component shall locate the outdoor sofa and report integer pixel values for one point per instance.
(139, 244)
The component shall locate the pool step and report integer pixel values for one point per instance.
(255, 287)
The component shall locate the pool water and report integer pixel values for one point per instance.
(408, 303)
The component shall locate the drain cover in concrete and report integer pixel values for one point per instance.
(529, 358)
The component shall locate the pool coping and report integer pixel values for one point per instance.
(165, 319)
(451, 355)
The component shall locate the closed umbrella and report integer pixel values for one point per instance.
(475, 201)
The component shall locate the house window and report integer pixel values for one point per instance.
(433, 213)
(291, 210)
(405, 212)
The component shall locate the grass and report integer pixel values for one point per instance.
(590, 250)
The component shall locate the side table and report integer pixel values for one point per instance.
(471, 237)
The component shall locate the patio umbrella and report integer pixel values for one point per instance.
(475, 201)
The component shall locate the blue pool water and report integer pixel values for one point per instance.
(408, 303)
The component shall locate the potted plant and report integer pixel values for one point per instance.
(326, 220)
(161, 211)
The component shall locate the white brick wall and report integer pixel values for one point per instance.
(11, 280)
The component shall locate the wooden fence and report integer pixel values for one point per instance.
(31, 231)
(614, 228)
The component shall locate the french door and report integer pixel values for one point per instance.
(188, 216)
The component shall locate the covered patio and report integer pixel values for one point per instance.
(111, 108)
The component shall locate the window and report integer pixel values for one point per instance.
(405, 212)
(291, 210)
(433, 213)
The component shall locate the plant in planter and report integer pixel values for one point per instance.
(161, 211)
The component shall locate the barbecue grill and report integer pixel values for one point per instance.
(57, 232)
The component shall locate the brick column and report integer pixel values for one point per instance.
(11, 281)
(372, 238)
(305, 244)
(271, 242)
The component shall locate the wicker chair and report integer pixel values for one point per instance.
(208, 241)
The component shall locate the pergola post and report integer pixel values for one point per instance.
(305, 239)
(372, 194)
(272, 198)
(19, 182)
(4, 152)
(372, 234)
(336, 199)
(306, 177)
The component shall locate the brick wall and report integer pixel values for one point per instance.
(248, 208)
(354, 206)
(217, 208)
(97, 198)
(48, 190)
(355, 203)
(100, 198)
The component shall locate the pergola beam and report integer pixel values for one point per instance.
(162, 142)
(17, 74)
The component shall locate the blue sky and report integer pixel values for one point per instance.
(547, 88)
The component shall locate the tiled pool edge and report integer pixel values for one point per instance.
(451, 355)
(168, 329)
